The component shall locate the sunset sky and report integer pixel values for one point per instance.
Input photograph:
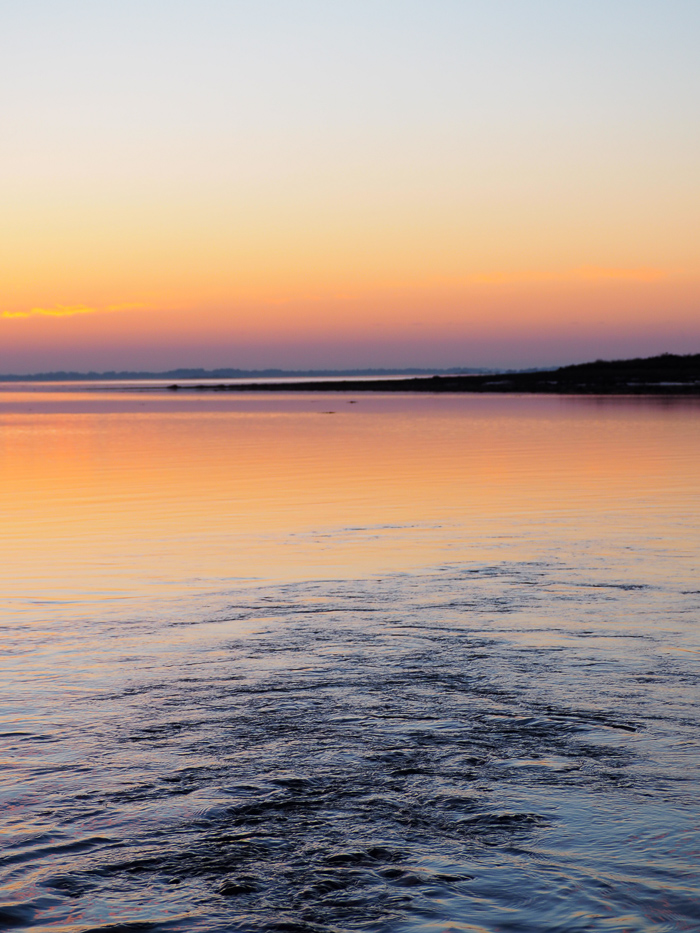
(312, 184)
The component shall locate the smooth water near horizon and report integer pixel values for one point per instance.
(324, 663)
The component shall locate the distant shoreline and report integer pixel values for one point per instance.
(147, 375)
(668, 374)
(664, 375)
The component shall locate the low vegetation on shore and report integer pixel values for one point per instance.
(667, 374)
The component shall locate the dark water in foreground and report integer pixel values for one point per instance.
(459, 751)
(421, 667)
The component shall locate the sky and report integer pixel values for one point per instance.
(314, 184)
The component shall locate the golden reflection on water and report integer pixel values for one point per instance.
(111, 495)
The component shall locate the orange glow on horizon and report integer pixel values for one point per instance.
(453, 191)
(451, 316)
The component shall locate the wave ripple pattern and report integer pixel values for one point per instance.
(506, 748)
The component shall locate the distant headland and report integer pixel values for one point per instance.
(667, 374)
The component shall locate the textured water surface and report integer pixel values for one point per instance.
(423, 666)
(487, 748)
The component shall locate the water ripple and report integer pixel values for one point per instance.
(372, 756)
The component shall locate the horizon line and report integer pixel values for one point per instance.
(226, 372)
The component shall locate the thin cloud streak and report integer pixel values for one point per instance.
(68, 311)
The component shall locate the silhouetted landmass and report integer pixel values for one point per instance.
(667, 374)
(127, 375)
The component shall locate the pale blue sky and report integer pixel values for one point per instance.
(454, 138)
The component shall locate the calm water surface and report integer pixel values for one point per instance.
(323, 663)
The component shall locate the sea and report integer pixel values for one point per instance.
(337, 662)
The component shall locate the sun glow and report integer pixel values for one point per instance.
(472, 189)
